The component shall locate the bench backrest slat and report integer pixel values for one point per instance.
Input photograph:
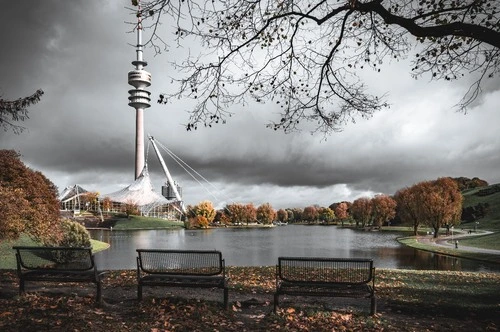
(54, 258)
(325, 270)
(186, 262)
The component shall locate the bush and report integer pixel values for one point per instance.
(73, 235)
(197, 222)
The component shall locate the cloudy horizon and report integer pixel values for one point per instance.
(82, 131)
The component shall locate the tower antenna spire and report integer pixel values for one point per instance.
(139, 98)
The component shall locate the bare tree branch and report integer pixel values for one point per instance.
(304, 56)
(14, 111)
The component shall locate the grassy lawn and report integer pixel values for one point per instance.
(492, 219)
(8, 257)
(488, 241)
(138, 222)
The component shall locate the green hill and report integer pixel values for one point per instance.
(485, 201)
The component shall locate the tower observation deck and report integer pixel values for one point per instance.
(139, 98)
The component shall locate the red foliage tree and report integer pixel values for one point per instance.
(310, 214)
(235, 213)
(441, 203)
(282, 215)
(266, 213)
(436, 203)
(341, 212)
(249, 213)
(384, 209)
(28, 199)
(408, 206)
(361, 211)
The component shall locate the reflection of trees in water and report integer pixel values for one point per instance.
(409, 258)
(423, 260)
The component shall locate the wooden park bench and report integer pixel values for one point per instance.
(57, 264)
(332, 277)
(181, 268)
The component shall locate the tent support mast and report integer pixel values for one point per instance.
(167, 174)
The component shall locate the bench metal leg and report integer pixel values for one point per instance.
(98, 296)
(276, 300)
(373, 308)
(226, 298)
(21, 286)
(139, 292)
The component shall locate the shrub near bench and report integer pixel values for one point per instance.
(57, 264)
(332, 277)
(181, 268)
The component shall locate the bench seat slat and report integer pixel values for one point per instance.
(181, 268)
(322, 276)
(57, 264)
(327, 290)
(44, 275)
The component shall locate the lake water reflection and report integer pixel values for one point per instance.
(263, 246)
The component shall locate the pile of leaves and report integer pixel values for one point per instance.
(408, 301)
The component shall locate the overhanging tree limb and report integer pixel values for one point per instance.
(13, 111)
(304, 56)
(458, 29)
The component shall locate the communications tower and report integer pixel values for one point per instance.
(139, 97)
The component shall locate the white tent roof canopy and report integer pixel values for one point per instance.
(71, 192)
(140, 192)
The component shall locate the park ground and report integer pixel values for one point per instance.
(407, 301)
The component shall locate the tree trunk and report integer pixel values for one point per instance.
(436, 230)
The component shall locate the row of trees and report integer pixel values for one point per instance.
(434, 204)
(204, 214)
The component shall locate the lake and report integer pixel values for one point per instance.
(263, 246)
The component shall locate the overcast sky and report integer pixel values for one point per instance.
(82, 131)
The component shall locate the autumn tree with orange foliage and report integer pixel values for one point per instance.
(310, 214)
(361, 210)
(435, 203)
(201, 215)
(107, 204)
(341, 212)
(28, 200)
(130, 208)
(441, 204)
(235, 213)
(326, 214)
(90, 200)
(250, 213)
(408, 206)
(384, 209)
(13, 212)
(266, 214)
(282, 215)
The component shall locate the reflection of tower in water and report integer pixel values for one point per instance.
(139, 98)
